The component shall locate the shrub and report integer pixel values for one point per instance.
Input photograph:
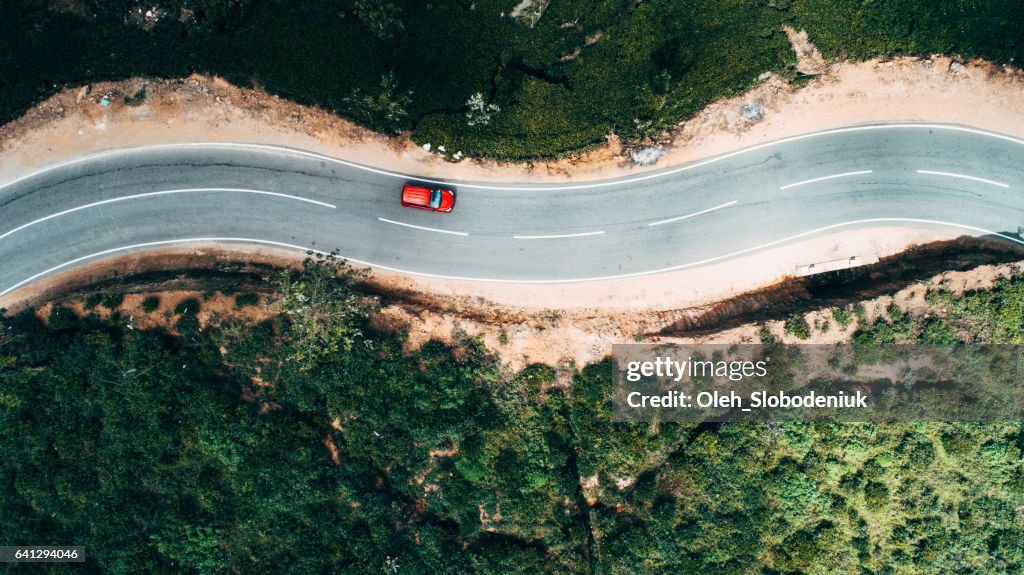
(112, 300)
(62, 317)
(188, 306)
(92, 300)
(246, 299)
(137, 98)
(797, 326)
(860, 313)
(188, 325)
(876, 495)
(842, 316)
(150, 303)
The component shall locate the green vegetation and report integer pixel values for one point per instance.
(842, 315)
(92, 301)
(112, 300)
(150, 303)
(187, 306)
(137, 98)
(247, 300)
(161, 454)
(989, 29)
(325, 312)
(977, 317)
(465, 74)
(797, 326)
(108, 300)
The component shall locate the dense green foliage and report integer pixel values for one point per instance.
(150, 303)
(466, 74)
(797, 326)
(991, 29)
(987, 317)
(246, 300)
(163, 455)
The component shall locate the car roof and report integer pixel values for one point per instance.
(416, 195)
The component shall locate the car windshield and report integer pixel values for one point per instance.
(435, 199)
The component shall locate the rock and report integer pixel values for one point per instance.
(955, 67)
(646, 156)
(752, 112)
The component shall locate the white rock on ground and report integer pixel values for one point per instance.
(646, 156)
(752, 112)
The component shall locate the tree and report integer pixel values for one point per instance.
(325, 313)
(384, 110)
(478, 111)
(380, 17)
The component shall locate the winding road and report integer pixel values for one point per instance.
(129, 200)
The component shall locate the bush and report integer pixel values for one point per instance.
(112, 301)
(188, 306)
(137, 98)
(246, 299)
(187, 325)
(876, 495)
(797, 326)
(150, 303)
(92, 300)
(842, 316)
(62, 317)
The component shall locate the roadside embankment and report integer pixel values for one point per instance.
(521, 334)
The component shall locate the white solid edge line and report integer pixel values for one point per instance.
(694, 214)
(423, 228)
(513, 281)
(964, 177)
(163, 193)
(579, 235)
(596, 184)
(824, 178)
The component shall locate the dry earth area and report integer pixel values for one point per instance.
(215, 307)
(519, 337)
(531, 322)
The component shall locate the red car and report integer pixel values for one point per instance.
(424, 198)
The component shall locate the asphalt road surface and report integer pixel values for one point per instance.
(130, 200)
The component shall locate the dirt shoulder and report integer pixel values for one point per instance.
(519, 335)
